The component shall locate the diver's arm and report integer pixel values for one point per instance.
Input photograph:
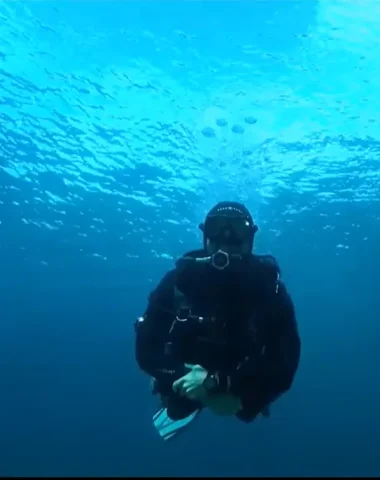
(152, 332)
(275, 371)
(260, 380)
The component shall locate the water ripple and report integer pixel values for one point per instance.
(169, 116)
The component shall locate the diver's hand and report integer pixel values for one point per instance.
(191, 384)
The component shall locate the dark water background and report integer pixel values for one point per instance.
(121, 124)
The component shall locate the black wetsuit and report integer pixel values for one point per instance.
(240, 326)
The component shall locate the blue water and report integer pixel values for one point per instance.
(121, 124)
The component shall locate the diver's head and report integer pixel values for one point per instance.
(228, 230)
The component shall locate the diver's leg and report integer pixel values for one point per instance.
(181, 407)
(222, 404)
(177, 407)
(175, 412)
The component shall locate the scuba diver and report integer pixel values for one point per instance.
(219, 331)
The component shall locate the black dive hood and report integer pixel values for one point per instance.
(221, 259)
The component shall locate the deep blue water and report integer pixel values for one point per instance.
(121, 124)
